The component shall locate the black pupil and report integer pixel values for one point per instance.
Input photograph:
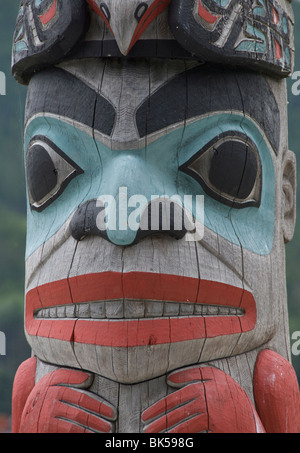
(41, 172)
(233, 169)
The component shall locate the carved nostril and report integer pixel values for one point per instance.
(140, 11)
(161, 216)
(84, 221)
(164, 216)
(104, 8)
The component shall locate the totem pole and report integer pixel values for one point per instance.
(161, 193)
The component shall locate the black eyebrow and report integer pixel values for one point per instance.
(206, 89)
(56, 91)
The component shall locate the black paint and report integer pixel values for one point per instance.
(233, 169)
(199, 40)
(56, 91)
(228, 169)
(56, 40)
(211, 88)
(41, 172)
(84, 222)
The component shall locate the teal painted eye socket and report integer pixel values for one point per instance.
(152, 172)
(229, 170)
(48, 172)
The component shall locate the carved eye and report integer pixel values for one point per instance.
(140, 11)
(48, 172)
(229, 170)
(104, 8)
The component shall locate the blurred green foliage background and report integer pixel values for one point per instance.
(13, 220)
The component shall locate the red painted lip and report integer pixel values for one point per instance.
(143, 331)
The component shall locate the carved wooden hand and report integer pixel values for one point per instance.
(207, 400)
(60, 403)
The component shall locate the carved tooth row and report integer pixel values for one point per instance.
(130, 309)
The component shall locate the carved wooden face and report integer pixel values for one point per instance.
(105, 141)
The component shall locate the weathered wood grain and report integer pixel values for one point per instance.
(176, 324)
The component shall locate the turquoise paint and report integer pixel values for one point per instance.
(154, 171)
(260, 10)
(20, 32)
(222, 3)
(21, 45)
(257, 42)
(287, 56)
(285, 25)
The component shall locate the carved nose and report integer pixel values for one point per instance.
(162, 216)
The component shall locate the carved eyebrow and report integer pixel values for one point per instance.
(206, 89)
(56, 91)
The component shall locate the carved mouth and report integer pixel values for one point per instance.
(135, 309)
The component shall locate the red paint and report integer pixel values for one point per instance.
(58, 404)
(147, 285)
(50, 294)
(154, 10)
(278, 50)
(24, 382)
(138, 332)
(151, 13)
(276, 393)
(90, 287)
(275, 16)
(96, 8)
(206, 15)
(126, 334)
(208, 400)
(45, 18)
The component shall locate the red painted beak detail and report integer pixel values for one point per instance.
(49, 14)
(206, 15)
(151, 13)
(96, 8)
(139, 286)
